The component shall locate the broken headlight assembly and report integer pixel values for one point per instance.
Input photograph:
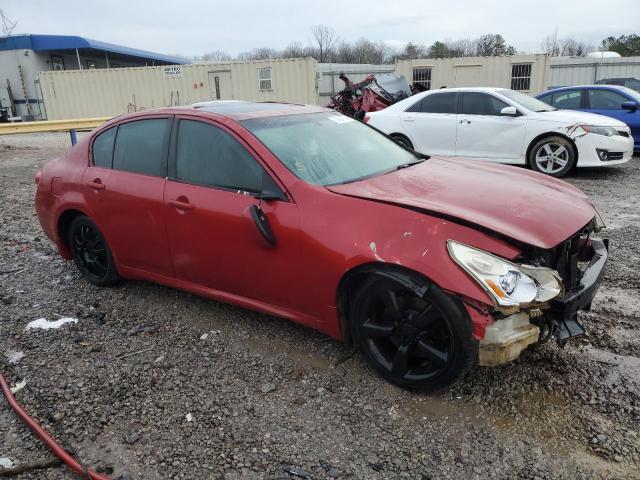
(606, 131)
(510, 285)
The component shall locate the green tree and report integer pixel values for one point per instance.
(439, 50)
(625, 45)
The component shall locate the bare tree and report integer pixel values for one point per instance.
(554, 46)
(263, 53)
(295, 50)
(324, 40)
(216, 56)
(551, 44)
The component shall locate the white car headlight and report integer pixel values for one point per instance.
(508, 284)
(606, 131)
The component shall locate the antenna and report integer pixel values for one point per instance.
(7, 25)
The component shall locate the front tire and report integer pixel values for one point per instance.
(421, 343)
(91, 253)
(553, 156)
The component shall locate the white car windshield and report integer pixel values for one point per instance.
(526, 101)
(330, 148)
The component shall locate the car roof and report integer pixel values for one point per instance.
(243, 110)
(466, 89)
(584, 87)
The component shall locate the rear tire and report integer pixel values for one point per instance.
(402, 140)
(91, 253)
(420, 343)
(554, 156)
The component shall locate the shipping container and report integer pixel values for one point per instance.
(114, 91)
(569, 71)
(526, 73)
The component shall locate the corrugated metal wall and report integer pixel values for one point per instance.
(567, 71)
(96, 93)
(478, 71)
(330, 84)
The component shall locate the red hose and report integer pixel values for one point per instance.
(59, 452)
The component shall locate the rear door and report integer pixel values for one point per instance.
(213, 181)
(431, 123)
(482, 132)
(124, 188)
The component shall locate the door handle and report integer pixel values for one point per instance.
(97, 184)
(181, 205)
(409, 119)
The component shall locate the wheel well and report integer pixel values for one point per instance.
(64, 224)
(550, 134)
(355, 277)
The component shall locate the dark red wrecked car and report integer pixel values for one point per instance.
(428, 265)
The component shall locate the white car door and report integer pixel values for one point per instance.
(431, 123)
(482, 132)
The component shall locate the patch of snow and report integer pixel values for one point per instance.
(13, 356)
(45, 324)
(5, 462)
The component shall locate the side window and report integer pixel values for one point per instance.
(103, 148)
(140, 147)
(478, 103)
(416, 107)
(606, 99)
(209, 156)
(567, 100)
(444, 102)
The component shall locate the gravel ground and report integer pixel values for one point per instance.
(156, 383)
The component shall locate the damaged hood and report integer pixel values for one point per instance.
(573, 117)
(517, 203)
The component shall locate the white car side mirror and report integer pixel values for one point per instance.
(509, 111)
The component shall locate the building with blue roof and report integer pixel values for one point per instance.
(22, 57)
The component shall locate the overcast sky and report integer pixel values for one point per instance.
(194, 27)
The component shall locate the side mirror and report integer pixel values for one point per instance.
(509, 111)
(630, 105)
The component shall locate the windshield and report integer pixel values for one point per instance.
(328, 148)
(526, 101)
(632, 93)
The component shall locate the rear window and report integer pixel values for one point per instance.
(103, 148)
(141, 147)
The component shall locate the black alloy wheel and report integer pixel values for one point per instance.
(91, 252)
(416, 342)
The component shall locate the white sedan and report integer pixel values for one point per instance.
(505, 126)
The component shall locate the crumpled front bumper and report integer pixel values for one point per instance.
(506, 338)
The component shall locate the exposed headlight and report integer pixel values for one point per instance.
(606, 131)
(508, 284)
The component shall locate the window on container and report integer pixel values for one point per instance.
(264, 78)
(141, 147)
(103, 148)
(209, 156)
(422, 76)
(521, 76)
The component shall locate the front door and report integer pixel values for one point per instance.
(482, 132)
(220, 85)
(213, 238)
(124, 187)
(609, 103)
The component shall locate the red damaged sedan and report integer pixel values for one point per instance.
(429, 265)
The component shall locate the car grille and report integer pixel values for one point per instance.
(571, 258)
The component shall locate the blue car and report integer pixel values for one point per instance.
(621, 103)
